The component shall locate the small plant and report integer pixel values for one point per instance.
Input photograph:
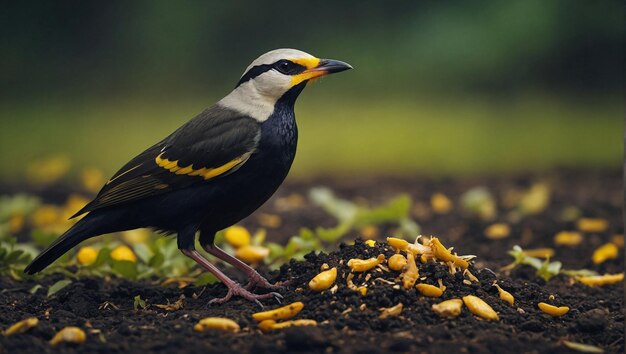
(546, 270)
(139, 303)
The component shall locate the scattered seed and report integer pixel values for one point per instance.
(369, 232)
(440, 203)
(429, 290)
(271, 325)
(442, 254)
(568, 238)
(448, 308)
(467, 282)
(237, 236)
(604, 253)
(21, 326)
(370, 243)
(123, 253)
(362, 307)
(398, 243)
(397, 262)
(271, 221)
(601, 280)
(362, 290)
(498, 231)
(505, 295)
(553, 310)
(362, 265)
(480, 308)
(592, 225)
(323, 280)
(470, 275)
(252, 254)
(217, 323)
(68, 335)
(583, 348)
(324, 267)
(410, 275)
(391, 311)
(281, 313)
(86, 255)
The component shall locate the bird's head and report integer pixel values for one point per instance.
(274, 74)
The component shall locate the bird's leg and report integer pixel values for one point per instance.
(256, 279)
(234, 289)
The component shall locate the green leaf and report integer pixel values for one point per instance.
(157, 260)
(56, 287)
(104, 256)
(34, 289)
(126, 269)
(139, 303)
(204, 279)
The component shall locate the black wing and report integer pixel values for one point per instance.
(216, 142)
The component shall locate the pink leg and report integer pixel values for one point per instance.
(256, 279)
(233, 287)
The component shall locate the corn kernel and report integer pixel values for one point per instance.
(440, 203)
(480, 308)
(237, 236)
(429, 290)
(281, 313)
(568, 238)
(442, 254)
(323, 280)
(410, 275)
(363, 265)
(86, 255)
(592, 225)
(448, 308)
(68, 335)
(497, 231)
(217, 323)
(271, 325)
(391, 311)
(123, 253)
(252, 254)
(553, 310)
(362, 290)
(505, 295)
(398, 243)
(370, 243)
(397, 262)
(21, 326)
(601, 280)
(604, 253)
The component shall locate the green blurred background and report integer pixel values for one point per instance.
(439, 87)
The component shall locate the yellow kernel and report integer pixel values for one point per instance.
(480, 308)
(429, 290)
(398, 243)
(271, 325)
(252, 254)
(391, 311)
(441, 253)
(498, 231)
(123, 253)
(271, 221)
(323, 280)
(21, 326)
(281, 313)
(604, 253)
(324, 266)
(370, 243)
(369, 232)
(237, 236)
(568, 238)
(362, 290)
(505, 295)
(68, 335)
(363, 265)
(601, 280)
(410, 275)
(397, 262)
(440, 203)
(448, 308)
(553, 310)
(45, 215)
(592, 225)
(539, 252)
(217, 323)
(86, 255)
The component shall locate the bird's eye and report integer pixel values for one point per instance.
(287, 67)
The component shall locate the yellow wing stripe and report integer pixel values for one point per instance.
(206, 173)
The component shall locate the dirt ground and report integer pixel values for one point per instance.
(347, 321)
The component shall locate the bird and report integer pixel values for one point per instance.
(210, 173)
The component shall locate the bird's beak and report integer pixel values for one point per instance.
(324, 67)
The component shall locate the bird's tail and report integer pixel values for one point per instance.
(89, 226)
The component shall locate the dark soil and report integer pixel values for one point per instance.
(104, 308)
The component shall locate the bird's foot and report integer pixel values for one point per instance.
(258, 281)
(238, 290)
